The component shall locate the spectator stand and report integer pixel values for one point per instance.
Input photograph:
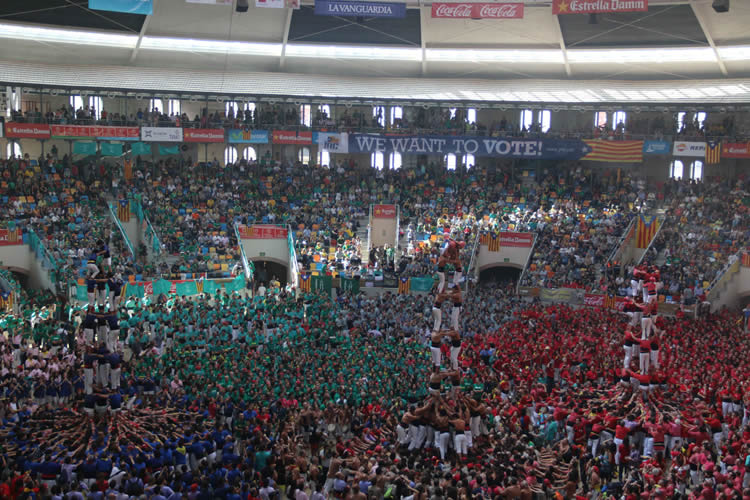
(10, 291)
(722, 282)
(293, 263)
(46, 259)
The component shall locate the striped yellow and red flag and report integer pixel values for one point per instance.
(305, 281)
(646, 230)
(123, 210)
(484, 239)
(713, 152)
(746, 259)
(494, 244)
(403, 285)
(614, 151)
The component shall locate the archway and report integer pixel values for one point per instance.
(499, 274)
(266, 270)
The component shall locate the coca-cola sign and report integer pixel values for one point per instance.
(598, 6)
(477, 10)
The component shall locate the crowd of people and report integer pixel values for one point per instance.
(449, 394)
(683, 125)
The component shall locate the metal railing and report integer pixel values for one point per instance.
(526, 266)
(624, 239)
(48, 261)
(128, 243)
(472, 261)
(731, 268)
(294, 265)
(245, 262)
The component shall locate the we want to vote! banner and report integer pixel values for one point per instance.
(598, 6)
(497, 147)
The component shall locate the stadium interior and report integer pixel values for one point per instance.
(375, 250)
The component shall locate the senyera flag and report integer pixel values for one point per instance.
(598, 6)
(464, 10)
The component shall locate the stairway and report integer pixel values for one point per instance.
(362, 235)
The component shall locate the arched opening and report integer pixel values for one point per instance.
(267, 270)
(499, 275)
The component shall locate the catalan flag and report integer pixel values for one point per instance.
(646, 230)
(403, 285)
(746, 259)
(713, 152)
(614, 151)
(494, 243)
(484, 239)
(610, 302)
(304, 282)
(123, 210)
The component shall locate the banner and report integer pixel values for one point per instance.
(656, 147)
(496, 147)
(140, 148)
(111, 149)
(143, 7)
(683, 148)
(291, 137)
(161, 134)
(162, 286)
(477, 10)
(735, 150)
(203, 135)
(123, 210)
(713, 152)
(423, 284)
(646, 228)
(84, 148)
(27, 131)
(10, 237)
(384, 211)
(189, 288)
(513, 239)
(597, 6)
(614, 151)
(331, 142)
(239, 136)
(262, 232)
(493, 243)
(350, 285)
(606, 301)
(321, 283)
(211, 2)
(349, 8)
(558, 294)
(169, 150)
(95, 132)
(304, 282)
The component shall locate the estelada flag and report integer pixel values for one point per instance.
(494, 243)
(403, 285)
(484, 239)
(646, 230)
(123, 210)
(713, 152)
(614, 151)
(304, 282)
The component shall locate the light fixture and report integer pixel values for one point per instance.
(354, 52)
(721, 6)
(78, 37)
(211, 46)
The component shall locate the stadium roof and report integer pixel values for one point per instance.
(676, 49)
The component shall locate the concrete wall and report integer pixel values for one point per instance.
(507, 256)
(21, 259)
